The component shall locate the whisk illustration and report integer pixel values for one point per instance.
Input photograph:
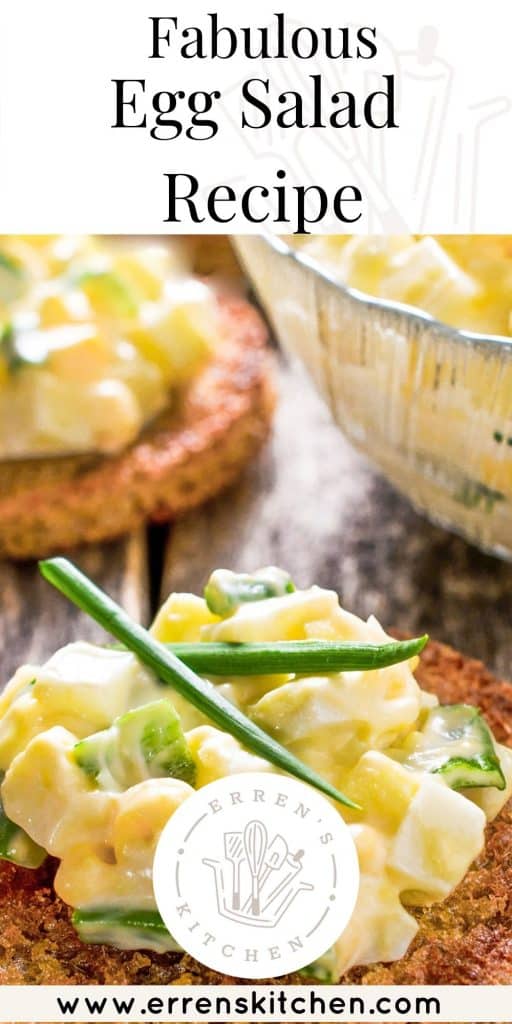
(255, 845)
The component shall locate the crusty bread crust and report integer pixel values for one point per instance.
(465, 940)
(185, 457)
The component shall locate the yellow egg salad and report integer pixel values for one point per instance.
(95, 338)
(96, 755)
(462, 280)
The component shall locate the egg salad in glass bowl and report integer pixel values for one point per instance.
(96, 337)
(462, 280)
(409, 340)
(96, 754)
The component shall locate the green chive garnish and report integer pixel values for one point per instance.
(296, 656)
(67, 578)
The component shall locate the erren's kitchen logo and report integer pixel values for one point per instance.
(256, 875)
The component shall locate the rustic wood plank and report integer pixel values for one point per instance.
(35, 620)
(314, 506)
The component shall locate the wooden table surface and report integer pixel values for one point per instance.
(312, 505)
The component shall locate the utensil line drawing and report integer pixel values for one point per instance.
(257, 879)
(294, 862)
(255, 844)
(235, 854)
(277, 852)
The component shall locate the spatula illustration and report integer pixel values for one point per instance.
(294, 862)
(234, 853)
(255, 845)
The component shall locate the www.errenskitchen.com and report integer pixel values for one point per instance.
(308, 1004)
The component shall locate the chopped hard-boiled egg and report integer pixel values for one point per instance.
(462, 280)
(380, 929)
(82, 687)
(218, 755)
(277, 618)
(95, 338)
(43, 785)
(117, 873)
(427, 853)
(97, 683)
(181, 619)
(97, 755)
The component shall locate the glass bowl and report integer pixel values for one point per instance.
(431, 406)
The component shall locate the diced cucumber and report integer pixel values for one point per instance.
(156, 729)
(226, 590)
(124, 929)
(108, 293)
(95, 756)
(323, 969)
(147, 742)
(16, 846)
(12, 278)
(456, 742)
(22, 348)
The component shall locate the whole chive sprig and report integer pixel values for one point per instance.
(296, 656)
(80, 590)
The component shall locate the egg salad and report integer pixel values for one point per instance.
(96, 755)
(96, 338)
(461, 280)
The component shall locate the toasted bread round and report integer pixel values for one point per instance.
(188, 454)
(467, 939)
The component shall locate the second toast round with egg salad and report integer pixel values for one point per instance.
(129, 389)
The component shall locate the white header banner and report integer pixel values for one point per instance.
(221, 117)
